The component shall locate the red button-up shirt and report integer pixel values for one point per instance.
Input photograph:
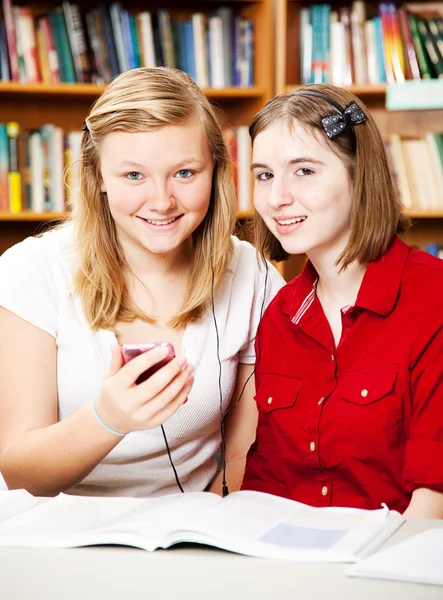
(362, 423)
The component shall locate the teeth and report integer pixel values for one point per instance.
(291, 221)
(152, 222)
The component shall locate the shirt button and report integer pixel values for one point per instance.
(332, 357)
(312, 446)
(364, 393)
(270, 400)
(321, 400)
(324, 490)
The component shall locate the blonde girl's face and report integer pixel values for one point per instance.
(158, 184)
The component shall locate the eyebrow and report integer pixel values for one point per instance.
(136, 165)
(289, 163)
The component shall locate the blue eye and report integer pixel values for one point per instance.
(133, 176)
(185, 173)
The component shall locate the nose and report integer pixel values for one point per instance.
(280, 193)
(159, 197)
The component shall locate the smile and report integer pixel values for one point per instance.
(291, 221)
(160, 222)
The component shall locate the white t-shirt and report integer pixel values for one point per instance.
(36, 284)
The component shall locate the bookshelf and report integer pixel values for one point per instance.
(427, 225)
(66, 104)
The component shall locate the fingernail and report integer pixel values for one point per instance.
(185, 400)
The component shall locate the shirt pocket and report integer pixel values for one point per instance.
(371, 415)
(277, 392)
(276, 399)
(369, 385)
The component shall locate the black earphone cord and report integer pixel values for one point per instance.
(223, 414)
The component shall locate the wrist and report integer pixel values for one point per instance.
(99, 420)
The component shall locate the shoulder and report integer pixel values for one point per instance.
(249, 269)
(45, 255)
(423, 275)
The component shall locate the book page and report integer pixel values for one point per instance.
(418, 559)
(14, 502)
(264, 525)
(69, 521)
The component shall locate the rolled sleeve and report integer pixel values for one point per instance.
(423, 466)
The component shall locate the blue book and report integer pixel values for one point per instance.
(126, 23)
(190, 50)
(380, 49)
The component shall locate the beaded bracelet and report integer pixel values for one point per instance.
(103, 424)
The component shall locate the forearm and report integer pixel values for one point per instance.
(235, 469)
(52, 459)
(425, 504)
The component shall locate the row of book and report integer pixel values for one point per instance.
(417, 166)
(69, 45)
(345, 47)
(49, 175)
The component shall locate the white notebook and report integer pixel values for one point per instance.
(418, 559)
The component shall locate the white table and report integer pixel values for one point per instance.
(116, 573)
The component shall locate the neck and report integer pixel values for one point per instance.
(340, 287)
(148, 266)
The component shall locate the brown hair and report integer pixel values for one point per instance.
(141, 100)
(377, 214)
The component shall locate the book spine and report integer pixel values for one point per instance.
(422, 58)
(14, 179)
(37, 188)
(380, 49)
(54, 65)
(115, 11)
(5, 74)
(408, 46)
(431, 45)
(135, 41)
(4, 169)
(11, 40)
(147, 39)
(397, 49)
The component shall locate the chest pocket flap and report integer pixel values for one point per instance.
(369, 385)
(277, 391)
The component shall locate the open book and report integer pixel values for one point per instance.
(250, 523)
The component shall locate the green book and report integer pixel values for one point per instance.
(422, 58)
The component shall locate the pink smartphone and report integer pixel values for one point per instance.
(130, 351)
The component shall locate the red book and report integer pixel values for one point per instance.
(11, 41)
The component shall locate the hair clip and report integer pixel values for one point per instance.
(85, 127)
(336, 124)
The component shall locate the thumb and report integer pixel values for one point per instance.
(116, 360)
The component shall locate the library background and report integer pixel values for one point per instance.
(55, 59)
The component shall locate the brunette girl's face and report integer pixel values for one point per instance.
(301, 190)
(158, 184)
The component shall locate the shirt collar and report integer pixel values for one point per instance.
(379, 288)
(381, 282)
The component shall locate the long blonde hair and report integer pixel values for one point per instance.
(143, 100)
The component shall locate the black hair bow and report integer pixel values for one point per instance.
(337, 123)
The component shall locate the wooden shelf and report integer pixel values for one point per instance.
(92, 90)
(358, 90)
(32, 216)
(428, 214)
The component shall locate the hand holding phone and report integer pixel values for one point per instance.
(130, 351)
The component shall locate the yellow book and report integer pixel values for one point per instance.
(15, 192)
